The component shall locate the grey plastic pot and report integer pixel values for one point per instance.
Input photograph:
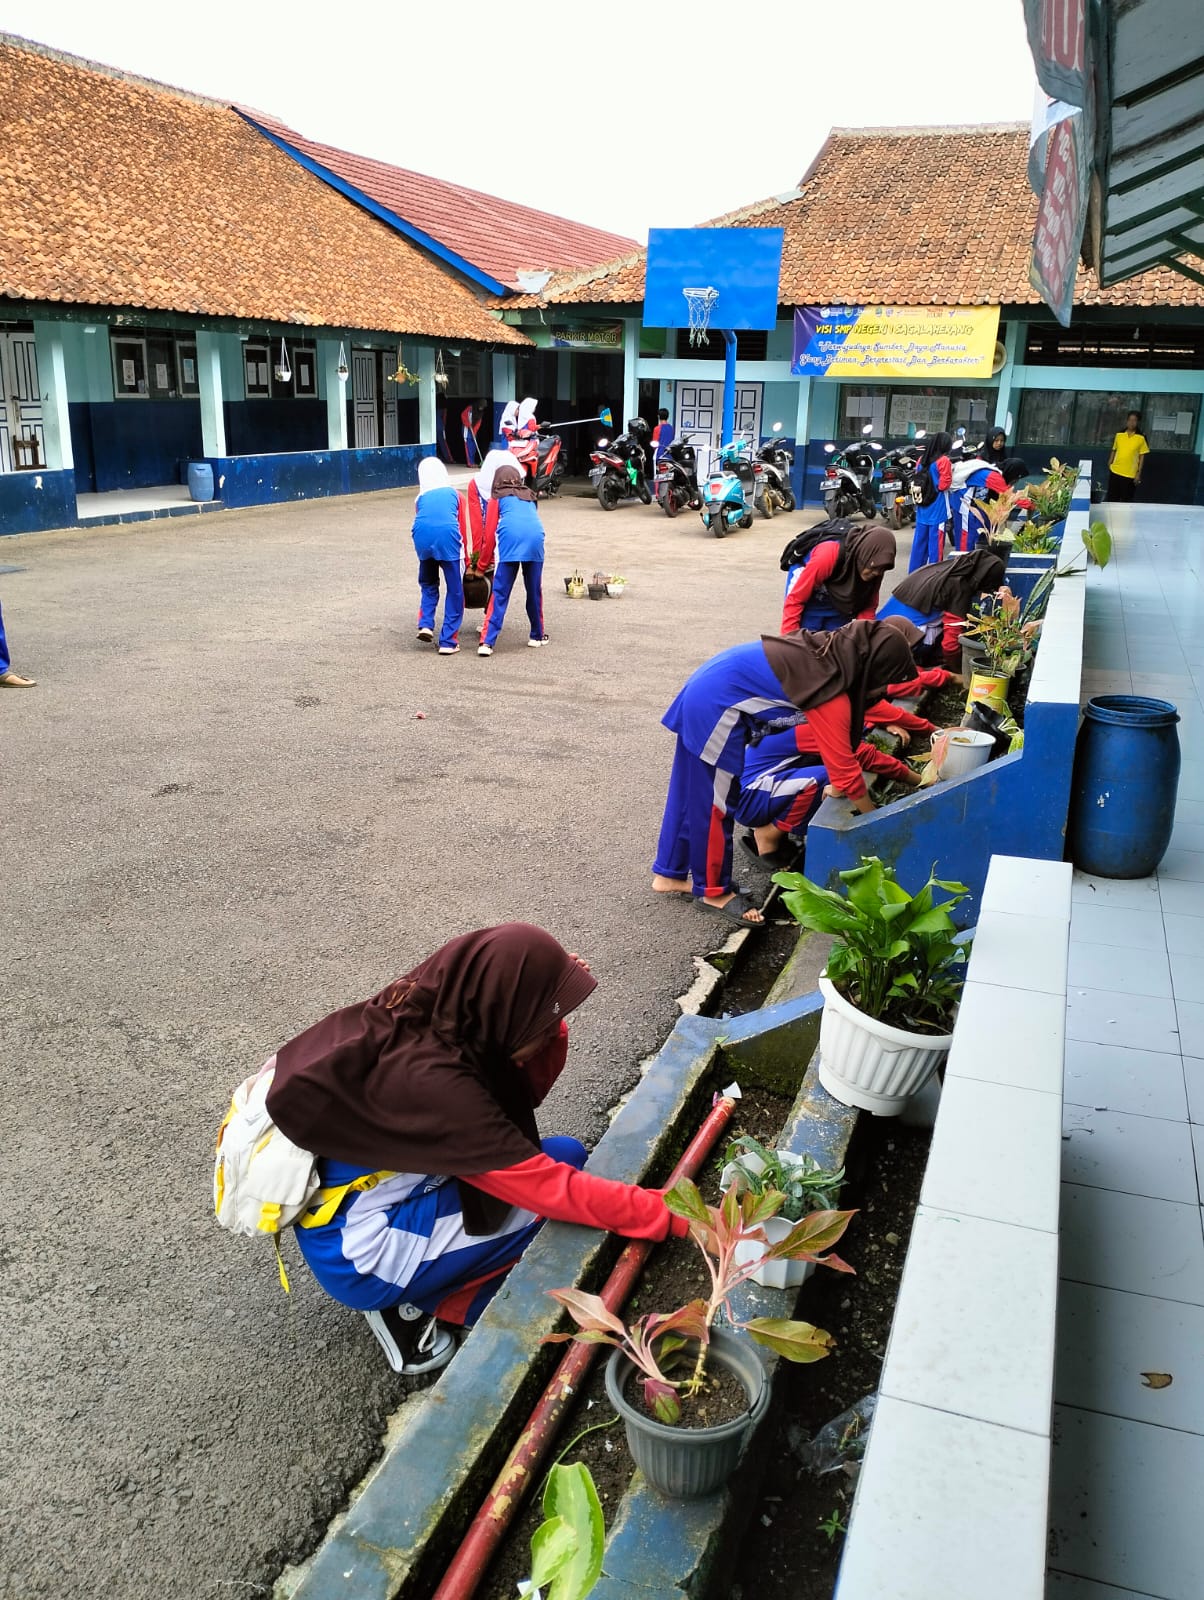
(688, 1463)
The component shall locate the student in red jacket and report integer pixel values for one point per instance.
(933, 477)
(420, 1105)
(839, 581)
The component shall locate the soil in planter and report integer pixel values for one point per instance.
(674, 1274)
(721, 1398)
(786, 1554)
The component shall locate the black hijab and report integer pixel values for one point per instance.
(951, 586)
(992, 453)
(939, 445)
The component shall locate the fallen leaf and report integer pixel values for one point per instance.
(1157, 1380)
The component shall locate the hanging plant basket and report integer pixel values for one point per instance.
(284, 373)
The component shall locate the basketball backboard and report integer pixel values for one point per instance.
(743, 264)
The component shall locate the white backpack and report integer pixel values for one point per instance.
(262, 1181)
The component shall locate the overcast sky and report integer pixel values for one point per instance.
(623, 115)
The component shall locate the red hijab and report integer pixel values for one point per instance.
(421, 1077)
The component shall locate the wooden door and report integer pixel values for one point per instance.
(363, 378)
(22, 435)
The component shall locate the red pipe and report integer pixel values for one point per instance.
(488, 1527)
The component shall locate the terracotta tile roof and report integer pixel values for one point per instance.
(901, 216)
(117, 191)
(496, 235)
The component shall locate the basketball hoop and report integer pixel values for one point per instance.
(700, 303)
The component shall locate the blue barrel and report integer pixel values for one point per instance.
(1126, 774)
(200, 480)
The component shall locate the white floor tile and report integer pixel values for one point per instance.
(1187, 972)
(1126, 1241)
(1146, 1083)
(1187, 836)
(1135, 1155)
(1193, 1074)
(1140, 893)
(1123, 971)
(1117, 925)
(953, 1342)
(1107, 1340)
(1021, 952)
(996, 1153)
(1138, 1021)
(998, 1040)
(1191, 1026)
(1185, 864)
(1121, 1509)
(976, 1476)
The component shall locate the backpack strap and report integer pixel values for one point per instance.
(325, 1202)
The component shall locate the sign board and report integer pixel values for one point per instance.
(1061, 215)
(916, 342)
(600, 336)
(1057, 37)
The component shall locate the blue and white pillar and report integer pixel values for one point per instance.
(209, 377)
(631, 377)
(426, 396)
(52, 377)
(503, 391)
(336, 393)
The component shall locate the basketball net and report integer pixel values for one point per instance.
(699, 303)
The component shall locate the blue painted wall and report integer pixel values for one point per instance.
(1013, 806)
(32, 501)
(312, 475)
(266, 427)
(132, 445)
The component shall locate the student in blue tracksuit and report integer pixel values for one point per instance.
(978, 480)
(439, 543)
(934, 471)
(519, 545)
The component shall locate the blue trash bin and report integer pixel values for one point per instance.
(1126, 775)
(200, 480)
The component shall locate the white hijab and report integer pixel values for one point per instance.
(432, 474)
(484, 478)
(509, 416)
(526, 411)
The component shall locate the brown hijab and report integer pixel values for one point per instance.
(508, 482)
(951, 586)
(859, 660)
(421, 1077)
(869, 546)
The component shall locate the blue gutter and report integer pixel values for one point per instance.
(381, 213)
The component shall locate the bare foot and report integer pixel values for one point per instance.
(769, 839)
(664, 885)
(738, 907)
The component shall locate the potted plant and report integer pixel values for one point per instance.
(597, 586)
(805, 1186)
(615, 585)
(891, 985)
(1052, 495)
(690, 1393)
(574, 586)
(1008, 642)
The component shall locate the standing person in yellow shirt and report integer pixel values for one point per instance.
(1129, 451)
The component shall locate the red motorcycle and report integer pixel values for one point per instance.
(538, 455)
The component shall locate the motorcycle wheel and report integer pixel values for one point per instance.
(831, 502)
(869, 507)
(609, 494)
(894, 518)
(788, 501)
(745, 520)
(645, 494)
(719, 526)
(669, 503)
(769, 503)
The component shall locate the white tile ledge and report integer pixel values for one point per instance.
(962, 1424)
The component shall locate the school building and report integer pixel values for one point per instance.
(923, 218)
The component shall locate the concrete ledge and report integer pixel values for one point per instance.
(1015, 805)
(952, 1498)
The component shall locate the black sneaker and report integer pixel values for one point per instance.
(413, 1342)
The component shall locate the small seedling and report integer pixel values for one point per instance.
(832, 1525)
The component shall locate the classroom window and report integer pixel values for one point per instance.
(898, 412)
(129, 368)
(188, 379)
(305, 371)
(1053, 417)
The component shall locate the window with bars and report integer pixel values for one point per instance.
(1053, 417)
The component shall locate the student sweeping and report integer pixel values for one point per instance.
(839, 580)
(933, 476)
(756, 687)
(519, 548)
(420, 1105)
(938, 598)
(439, 543)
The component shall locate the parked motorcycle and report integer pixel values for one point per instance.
(776, 462)
(730, 494)
(617, 472)
(541, 460)
(848, 486)
(677, 479)
(894, 489)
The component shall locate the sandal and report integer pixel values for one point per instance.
(735, 910)
(776, 860)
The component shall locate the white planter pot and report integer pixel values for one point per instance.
(965, 750)
(773, 1274)
(867, 1064)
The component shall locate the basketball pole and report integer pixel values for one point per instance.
(729, 388)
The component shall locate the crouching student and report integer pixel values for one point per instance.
(938, 598)
(439, 544)
(520, 547)
(749, 689)
(975, 484)
(420, 1106)
(839, 580)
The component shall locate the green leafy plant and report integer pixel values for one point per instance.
(567, 1547)
(660, 1345)
(897, 957)
(833, 1525)
(1052, 495)
(1008, 640)
(1035, 539)
(1097, 541)
(800, 1180)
